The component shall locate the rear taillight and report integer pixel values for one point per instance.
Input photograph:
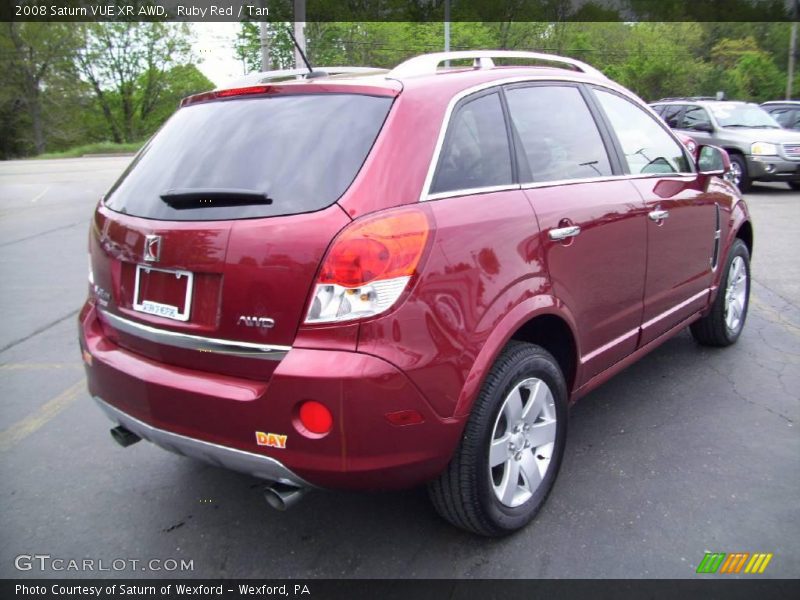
(368, 266)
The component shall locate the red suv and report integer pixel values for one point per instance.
(375, 281)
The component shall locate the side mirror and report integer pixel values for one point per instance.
(712, 160)
(706, 127)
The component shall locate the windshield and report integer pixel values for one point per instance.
(743, 115)
(251, 157)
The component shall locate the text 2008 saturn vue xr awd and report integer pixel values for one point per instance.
(381, 279)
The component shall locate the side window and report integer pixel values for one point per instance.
(558, 134)
(671, 114)
(648, 148)
(696, 118)
(476, 151)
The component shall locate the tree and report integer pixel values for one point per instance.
(745, 71)
(127, 65)
(34, 52)
(180, 81)
(247, 46)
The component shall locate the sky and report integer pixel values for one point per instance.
(214, 45)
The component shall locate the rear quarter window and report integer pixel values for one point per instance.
(476, 151)
(299, 153)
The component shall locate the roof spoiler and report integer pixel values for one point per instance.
(289, 74)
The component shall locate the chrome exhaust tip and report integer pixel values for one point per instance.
(282, 497)
(124, 437)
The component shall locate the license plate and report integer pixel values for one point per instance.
(163, 292)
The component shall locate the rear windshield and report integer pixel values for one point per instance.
(251, 157)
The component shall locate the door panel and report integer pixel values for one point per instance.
(680, 248)
(599, 273)
(681, 218)
(593, 231)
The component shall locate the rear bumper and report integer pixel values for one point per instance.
(262, 467)
(772, 168)
(217, 417)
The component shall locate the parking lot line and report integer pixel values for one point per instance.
(22, 429)
(38, 366)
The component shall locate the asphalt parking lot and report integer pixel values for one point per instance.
(690, 450)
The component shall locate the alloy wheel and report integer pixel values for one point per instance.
(735, 294)
(735, 173)
(522, 442)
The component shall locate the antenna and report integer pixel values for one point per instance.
(311, 72)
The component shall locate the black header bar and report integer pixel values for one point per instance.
(399, 10)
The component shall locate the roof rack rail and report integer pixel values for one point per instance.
(688, 98)
(267, 76)
(427, 64)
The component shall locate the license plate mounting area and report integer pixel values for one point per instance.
(163, 292)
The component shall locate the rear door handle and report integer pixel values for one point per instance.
(658, 215)
(563, 233)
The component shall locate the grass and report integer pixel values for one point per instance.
(96, 148)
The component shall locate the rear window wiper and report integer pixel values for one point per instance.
(211, 197)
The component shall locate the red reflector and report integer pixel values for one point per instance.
(404, 417)
(243, 91)
(315, 417)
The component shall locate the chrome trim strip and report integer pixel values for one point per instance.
(256, 465)
(559, 182)
(675, 308)
(469, 191)
(425, 194)
(195, 342)
(615, 342)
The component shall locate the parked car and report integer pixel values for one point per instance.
(377, 281)
(785, 112)
(759, 149)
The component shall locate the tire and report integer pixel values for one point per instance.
(723, 325)
(478, 498)
(740, 177)
(795, 185)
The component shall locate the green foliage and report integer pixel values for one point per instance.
(653, 59)
(756, 77)
(95, 148)
(126, 64)
(179, 82)
(32, 54)
(68, 84)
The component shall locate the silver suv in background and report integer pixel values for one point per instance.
(759, 148)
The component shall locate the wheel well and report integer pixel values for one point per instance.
(734, 151)
(745, 234)
(554, 335)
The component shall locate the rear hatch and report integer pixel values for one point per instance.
(205, 250)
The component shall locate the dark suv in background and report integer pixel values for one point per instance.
(785, 112)
(760, 150)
